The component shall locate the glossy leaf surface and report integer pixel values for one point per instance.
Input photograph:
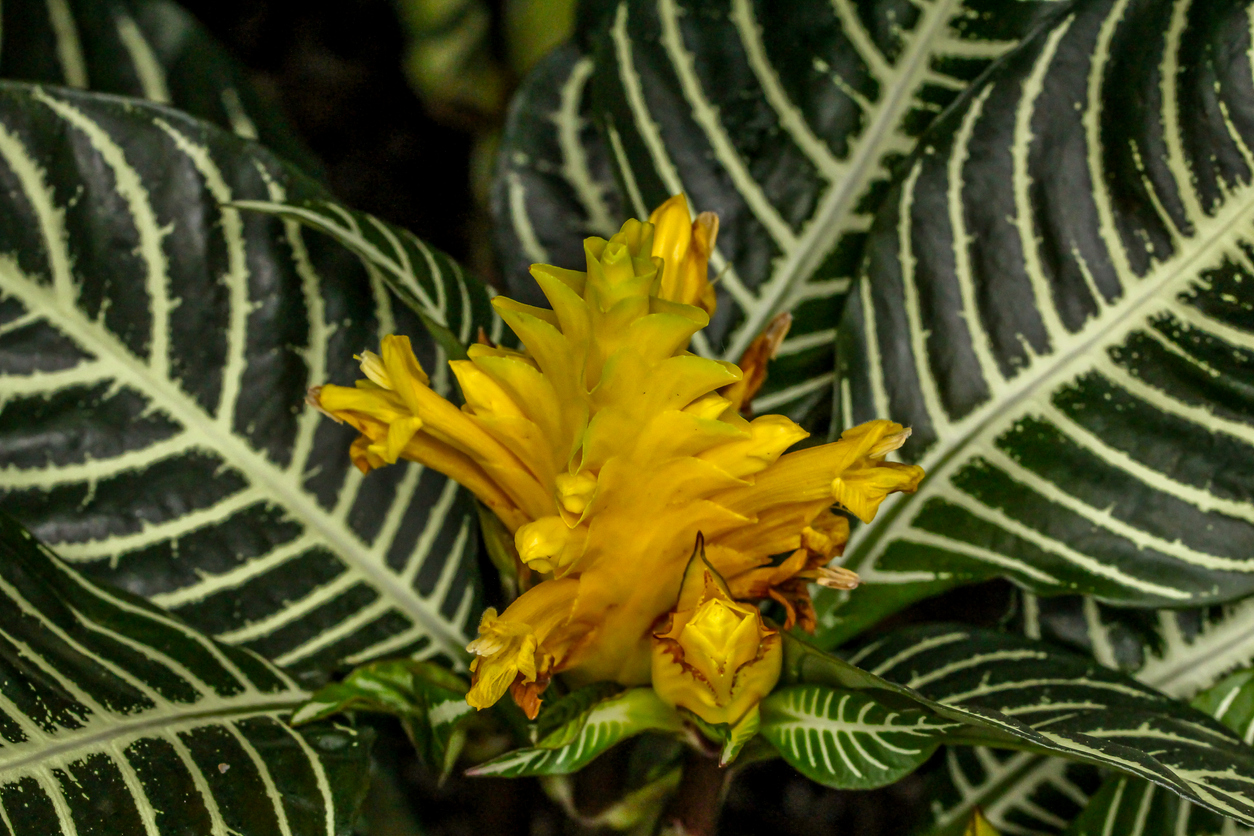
(847, 739)
(1056, 298)
(117, 718)
(787, 119)
(157, 346)
(576, 742)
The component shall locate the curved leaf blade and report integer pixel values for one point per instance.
(1077, 382)
(1138, 808)
(157, 348)
(847, 739)
(589, 734)
(431, 283)
(1057, 702)
(1178, 652)
(553, 185)
(787, 120)
(110, 709)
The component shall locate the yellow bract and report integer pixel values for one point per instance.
(605, 447)
(715, 657)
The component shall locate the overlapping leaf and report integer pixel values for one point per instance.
(848, 739)
(147, 49)
(787, 120)
(1031, 695)
(1178, 652)
(553, 185)
(116, 718)
(429, 701)
(156, 348)
(1134, 807)
(449, 303)
(1057, 298)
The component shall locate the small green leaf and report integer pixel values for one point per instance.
(740, 734)
(429, 701)
(560, 722)
(848, 739)
(608, 722)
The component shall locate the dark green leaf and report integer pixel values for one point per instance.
(1177, 652)
(553, 184)
(1052, 701)
(1056, 298)
(450, 303)
(1135, 807)
(118, 718)
(787, 119)
(158, 345)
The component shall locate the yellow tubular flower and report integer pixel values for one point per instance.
(605, 448)
(715, 657)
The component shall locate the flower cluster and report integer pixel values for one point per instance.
(606, 447)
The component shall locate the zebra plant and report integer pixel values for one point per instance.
(1018, 227)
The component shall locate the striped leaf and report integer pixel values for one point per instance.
(116, 718)
(1177, 652)
(574, 744)
(1036, 697)
(449, 303)
(147, 49)
(1134, 807)
(1021, 793)
(553, 185)
(848, 739)
(786, 119)
(1057, 298)
(157, 345)
(429, 701)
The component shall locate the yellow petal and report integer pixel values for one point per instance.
(861, 490)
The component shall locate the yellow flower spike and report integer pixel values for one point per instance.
(685, 246)
(605, 447)
(716, 657)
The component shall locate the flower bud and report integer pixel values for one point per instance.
(575, 490)
(717, 658)
(548, 544)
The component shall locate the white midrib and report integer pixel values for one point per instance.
(232, 449)
(823, 227)
(945, 457)
(123, 729)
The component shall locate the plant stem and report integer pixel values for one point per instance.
(696, 804)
